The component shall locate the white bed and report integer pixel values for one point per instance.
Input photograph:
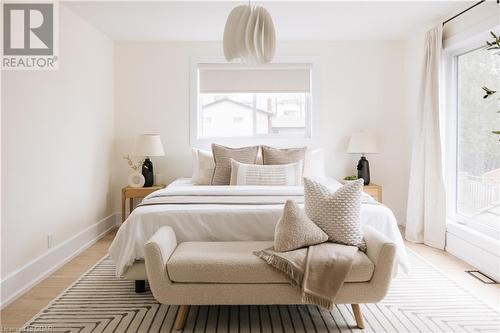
(226, 213)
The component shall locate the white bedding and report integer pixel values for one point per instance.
(225, 213)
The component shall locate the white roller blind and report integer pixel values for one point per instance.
(226, 78)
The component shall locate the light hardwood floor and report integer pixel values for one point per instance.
(24, 308)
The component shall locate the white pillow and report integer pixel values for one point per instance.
(266, 175)
(203, 166)
(314, 164)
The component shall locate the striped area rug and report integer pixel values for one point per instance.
(423, 301)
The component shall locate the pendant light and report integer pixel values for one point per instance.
(249, 35)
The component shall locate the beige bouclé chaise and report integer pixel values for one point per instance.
(228, 273)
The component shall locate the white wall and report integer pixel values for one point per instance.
(57, 139)
(362, 87)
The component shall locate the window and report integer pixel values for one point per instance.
(477, 162)
(246, 102)
(253, 114)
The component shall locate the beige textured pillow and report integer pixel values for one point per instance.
(337, 213)
(295, 230)
(222, 158)
(272, 156)
(266, 175)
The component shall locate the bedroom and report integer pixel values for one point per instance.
(347, 71)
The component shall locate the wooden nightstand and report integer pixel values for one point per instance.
(136, 192)
(374, 190)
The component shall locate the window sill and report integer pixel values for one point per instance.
(474, 237)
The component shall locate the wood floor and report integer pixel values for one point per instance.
(28, 305)
(24, 308)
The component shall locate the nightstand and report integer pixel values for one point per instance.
(136, 192)
(374, 190)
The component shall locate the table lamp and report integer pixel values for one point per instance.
(363, 143)
(148, 145)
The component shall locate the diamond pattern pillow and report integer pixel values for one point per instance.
(295, 230)
(337, 213)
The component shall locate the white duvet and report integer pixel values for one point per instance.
(226, 213)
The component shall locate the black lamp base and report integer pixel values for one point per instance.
(364, 170)
(147, 172)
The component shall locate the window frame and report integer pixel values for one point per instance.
(312, 118)
(455, 47)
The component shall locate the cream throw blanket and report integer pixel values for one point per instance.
(319, 270)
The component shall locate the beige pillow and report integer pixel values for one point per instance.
(203, 167)
(337, 213)
(222, 158)
(266, 175)
(295, 230)
(272, 156)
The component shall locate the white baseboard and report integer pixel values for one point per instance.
(17, 283)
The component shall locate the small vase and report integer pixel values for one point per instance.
(136, 179)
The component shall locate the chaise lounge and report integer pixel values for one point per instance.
(228, 273)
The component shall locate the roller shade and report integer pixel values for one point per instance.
(227, 78)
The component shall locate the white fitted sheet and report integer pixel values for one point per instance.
(226, 213)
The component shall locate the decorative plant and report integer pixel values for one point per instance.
(134, 166)
(353, 177)
(492, 45)
(495, 44)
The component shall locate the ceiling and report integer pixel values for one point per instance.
(294, 20)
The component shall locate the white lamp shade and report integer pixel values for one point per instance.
(249, 35)
(362, 143)
(148, 145)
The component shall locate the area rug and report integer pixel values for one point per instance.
(423, 301)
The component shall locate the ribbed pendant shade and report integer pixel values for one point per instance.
(249, 35)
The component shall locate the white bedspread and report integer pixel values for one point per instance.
(225, 213)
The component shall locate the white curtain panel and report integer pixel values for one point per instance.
(426, 209)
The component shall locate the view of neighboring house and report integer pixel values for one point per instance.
(253, 114)
(226, 117)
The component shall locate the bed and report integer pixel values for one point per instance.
(224, 213)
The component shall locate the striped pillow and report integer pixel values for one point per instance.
(266, 175)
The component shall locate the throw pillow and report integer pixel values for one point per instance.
(337, 213)
(272, 156)
(203, 167)
(222, 158)
(266, 175)
(314, 164)
(295, 230)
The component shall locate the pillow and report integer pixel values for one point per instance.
(203, 167)
(295, 230)
(337, 213)
(314, 164)
(273, 156)
(314, 160)
(222, 158)
(269, 175)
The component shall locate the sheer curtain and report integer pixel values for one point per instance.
(426, 209)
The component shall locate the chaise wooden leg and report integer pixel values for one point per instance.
(180, 319)
(358, 316)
